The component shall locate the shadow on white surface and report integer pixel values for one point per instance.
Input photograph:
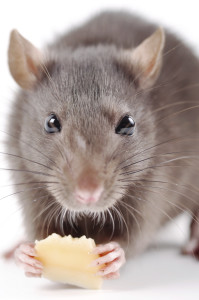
(159, 271)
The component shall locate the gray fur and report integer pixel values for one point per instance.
(90, 90)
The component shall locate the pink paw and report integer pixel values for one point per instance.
(112, 256)
(192, 248)
(24, 258)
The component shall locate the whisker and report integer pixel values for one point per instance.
(163, 84)
(26, 159)
(158, 155)
(124, 203)
(71, 216)
(172, 49)
(165, 182)
(188, 87)
(27, 183)
(128, 207)
(184, 210)
(47, 73)
(173, 191)
(162, 163)
(153, 167)
(64, 215)
(27, 144)
(64, 155)
(51, 203)
(145, 69)
(113, 224)
(171, 105)
(176, 113)
(61, 219)
(176, 139)
(118, 216)
(43, 196)
(23, 191)
(4, 222)
(124, 221)
(40, 197)
(103, 218)
(53, 213)
(27, 171)
(162, 211)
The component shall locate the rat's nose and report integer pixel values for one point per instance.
(87, 196)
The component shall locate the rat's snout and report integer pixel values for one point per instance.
(87, 196)
(89, 189)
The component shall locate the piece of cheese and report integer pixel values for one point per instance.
(67, 260)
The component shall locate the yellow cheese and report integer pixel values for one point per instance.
(67, 260)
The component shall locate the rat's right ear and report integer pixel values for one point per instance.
(146, 59)
(24, 60)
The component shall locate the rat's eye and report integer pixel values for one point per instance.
(126, 126)
(52, 124)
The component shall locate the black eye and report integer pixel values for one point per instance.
(52, 124)
(126, 126)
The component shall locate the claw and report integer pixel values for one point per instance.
(24, 258)
(112, 257)
(114, 275)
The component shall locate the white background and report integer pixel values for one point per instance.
(161, 273)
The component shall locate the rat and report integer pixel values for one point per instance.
(103, 137)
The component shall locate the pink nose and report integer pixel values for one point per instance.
(87, 196)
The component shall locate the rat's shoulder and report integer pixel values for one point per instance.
(122, 29)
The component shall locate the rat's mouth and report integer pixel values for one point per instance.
(88, 208)
(77, 205)
(82, 199)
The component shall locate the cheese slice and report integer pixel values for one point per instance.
(67, 260)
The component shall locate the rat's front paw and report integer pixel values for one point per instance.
(24, 258)
(112, 257)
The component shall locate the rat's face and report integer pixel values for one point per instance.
(91, 118)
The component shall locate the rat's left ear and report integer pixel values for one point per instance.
(146, 59)
(24, 60)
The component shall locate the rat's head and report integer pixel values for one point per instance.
(87, 112)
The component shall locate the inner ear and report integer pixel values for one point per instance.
(146, 59)
(24, 60)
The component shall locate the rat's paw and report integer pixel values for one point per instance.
(24, 258)
(10, 253)
(112, 258)
(192, 246)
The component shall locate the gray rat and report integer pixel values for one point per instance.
(103, 137)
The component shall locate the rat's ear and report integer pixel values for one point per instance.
(24, 60)
(146, 59)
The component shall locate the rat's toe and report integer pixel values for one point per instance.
(113, 275)
(28, 260)
(101, 249)
(29, 274)
(27, 248)
(112, 257)
(24, 258)
(112, 267)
